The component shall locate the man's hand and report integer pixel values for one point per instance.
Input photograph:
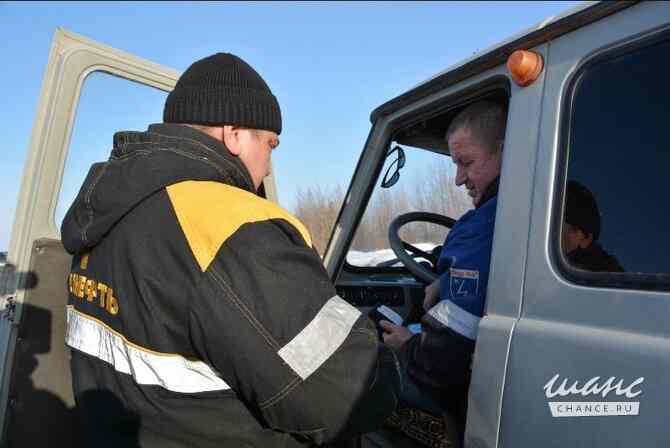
(432, 294)
(394, 336)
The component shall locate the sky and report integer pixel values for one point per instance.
(329, 64)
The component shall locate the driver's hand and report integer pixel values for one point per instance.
(394, 335)
(432, 294)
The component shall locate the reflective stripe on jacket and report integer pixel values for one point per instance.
(200, 315)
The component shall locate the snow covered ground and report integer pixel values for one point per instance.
(358, 258)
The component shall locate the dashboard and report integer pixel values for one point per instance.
(403, 294)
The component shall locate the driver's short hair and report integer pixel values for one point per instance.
(486, 120)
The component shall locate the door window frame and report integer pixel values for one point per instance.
(482, 88)
(620, 280)
(71, 59)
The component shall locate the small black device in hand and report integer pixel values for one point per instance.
(383, 312)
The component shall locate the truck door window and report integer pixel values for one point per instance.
(426, 184)
(615, 216)
(107, 104)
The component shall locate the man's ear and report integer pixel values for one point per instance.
(232, 139)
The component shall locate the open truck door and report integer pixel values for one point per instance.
(36, 401)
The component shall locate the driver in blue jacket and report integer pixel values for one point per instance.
(437, 360)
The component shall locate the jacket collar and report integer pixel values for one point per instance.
(141, 164)
(216, 151)
(491, 191)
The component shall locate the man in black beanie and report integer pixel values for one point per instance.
(199, 314)
(581, 231)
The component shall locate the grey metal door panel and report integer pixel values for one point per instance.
(577, 332)
(41, 385)
(488, 380)
(508, 262)
(579, 352)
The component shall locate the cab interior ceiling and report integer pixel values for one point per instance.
(429, 133)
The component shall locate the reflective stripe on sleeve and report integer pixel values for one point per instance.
(453, 316)
(170, 371)
(320, 338)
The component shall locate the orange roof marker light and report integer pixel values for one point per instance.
(525, 66)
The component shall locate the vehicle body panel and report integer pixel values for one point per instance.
(575, 331)
(497, 54)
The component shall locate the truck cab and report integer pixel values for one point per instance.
(566, 355)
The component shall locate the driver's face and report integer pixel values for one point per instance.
(476, 166)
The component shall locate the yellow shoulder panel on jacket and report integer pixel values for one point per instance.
(210, 212)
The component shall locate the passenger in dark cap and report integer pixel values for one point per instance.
(581, 231)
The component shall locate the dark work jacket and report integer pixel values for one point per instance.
(594, 258)
(200, 315)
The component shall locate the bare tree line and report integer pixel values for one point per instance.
(431, 191)
(317, 209)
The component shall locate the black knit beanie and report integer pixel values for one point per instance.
(581, 209)
(222, 89)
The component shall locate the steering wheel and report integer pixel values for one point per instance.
(400, 247)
